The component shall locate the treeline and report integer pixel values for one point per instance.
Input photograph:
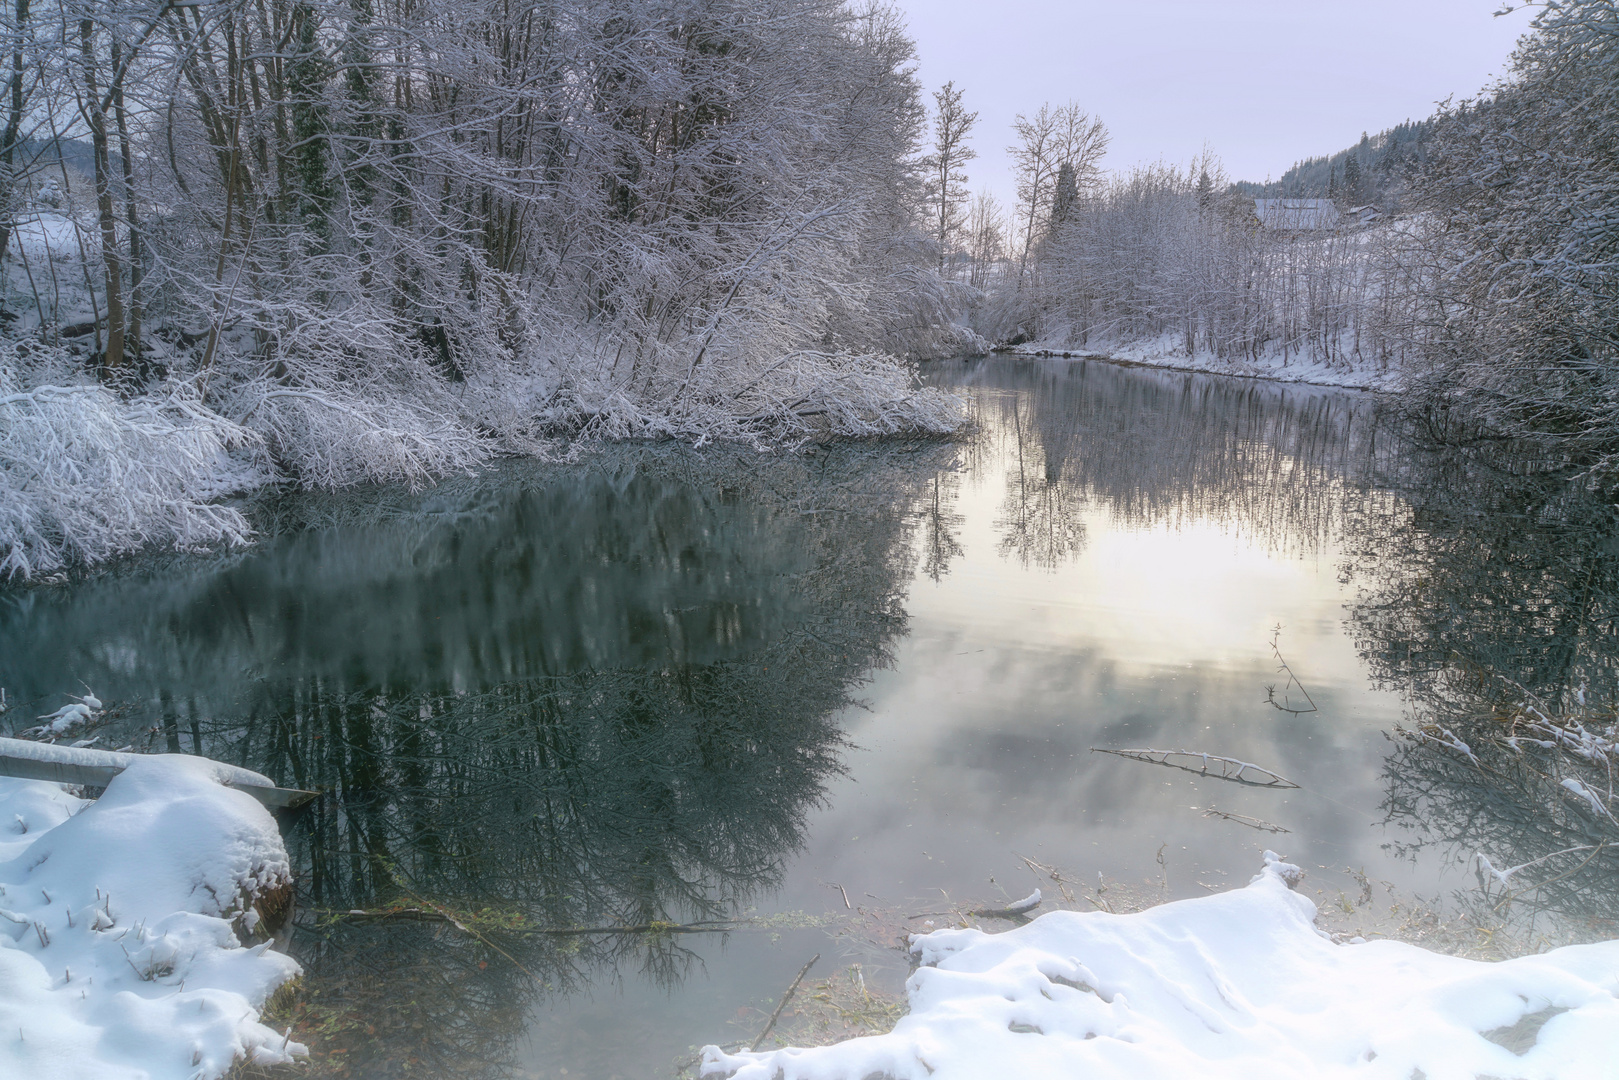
(346, 240)
(1378, 170)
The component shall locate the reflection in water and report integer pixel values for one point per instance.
(1164, 449)
(618, 693)
(1483, 591)
(556, 697)
(1478, 585)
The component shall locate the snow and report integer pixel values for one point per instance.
(1591, 798)
(63, 720)
(48, 234)
(1239, 984)
(218, 771)
(119, 950)
(1168, 351)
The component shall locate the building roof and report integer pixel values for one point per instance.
(1297, 215)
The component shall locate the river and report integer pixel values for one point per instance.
(828, 689)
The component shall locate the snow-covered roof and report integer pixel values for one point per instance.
(1297, 215)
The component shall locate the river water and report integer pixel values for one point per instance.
(827, 690)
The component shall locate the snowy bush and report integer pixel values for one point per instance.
(85, 475)
(119, 954)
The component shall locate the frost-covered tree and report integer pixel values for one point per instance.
(389, 238)
(946, 184)
(1521, 193)
(1047, 141)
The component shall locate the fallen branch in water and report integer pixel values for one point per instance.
(1243, 819)
(1018, 912)
(1204, 761)
(782, 1004)
(1286, 704)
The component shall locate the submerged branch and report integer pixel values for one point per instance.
(1285, 705)
(1226, 765)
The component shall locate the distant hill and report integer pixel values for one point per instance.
(40, 154)
(1375, 170)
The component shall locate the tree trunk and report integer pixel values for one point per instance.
(8, 143)
(96, 117)
(133, 338)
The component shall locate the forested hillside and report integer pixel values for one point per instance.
(1378, 170)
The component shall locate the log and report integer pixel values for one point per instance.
(85, 767)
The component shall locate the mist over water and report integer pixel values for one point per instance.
(666, 685)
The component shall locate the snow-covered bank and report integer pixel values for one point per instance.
(1168, 351)
(1239, 984)
(119, 919)
(87, 475)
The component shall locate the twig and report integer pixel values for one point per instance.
(1292, 680)
(1161, 757)
(1243, 819)
(782, 1004)
(1511, 896)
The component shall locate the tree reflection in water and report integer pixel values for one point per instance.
(1483, 579)
(1162, 449)
(1487, 585)
(552, 697)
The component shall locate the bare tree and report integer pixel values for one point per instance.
(1047, 142)
(946, 183)
(1519, 321)
(986, 238)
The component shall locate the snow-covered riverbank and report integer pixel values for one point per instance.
(1238, 985)
(1168, 352)
(121, 922)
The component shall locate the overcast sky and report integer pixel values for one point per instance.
(1263, 82)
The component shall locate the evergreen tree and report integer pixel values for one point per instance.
(1352, 179)
(308, 73)
(1066, 199)
(1205, 191)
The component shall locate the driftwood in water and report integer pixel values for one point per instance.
(782, 1004)
(1018, 912)
(1196, 761)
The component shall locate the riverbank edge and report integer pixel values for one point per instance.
(1369, 382)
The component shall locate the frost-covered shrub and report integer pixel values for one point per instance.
(85, 475)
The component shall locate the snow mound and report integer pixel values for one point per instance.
(1240, 984)
(119, 955)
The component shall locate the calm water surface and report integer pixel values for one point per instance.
(667, 685)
